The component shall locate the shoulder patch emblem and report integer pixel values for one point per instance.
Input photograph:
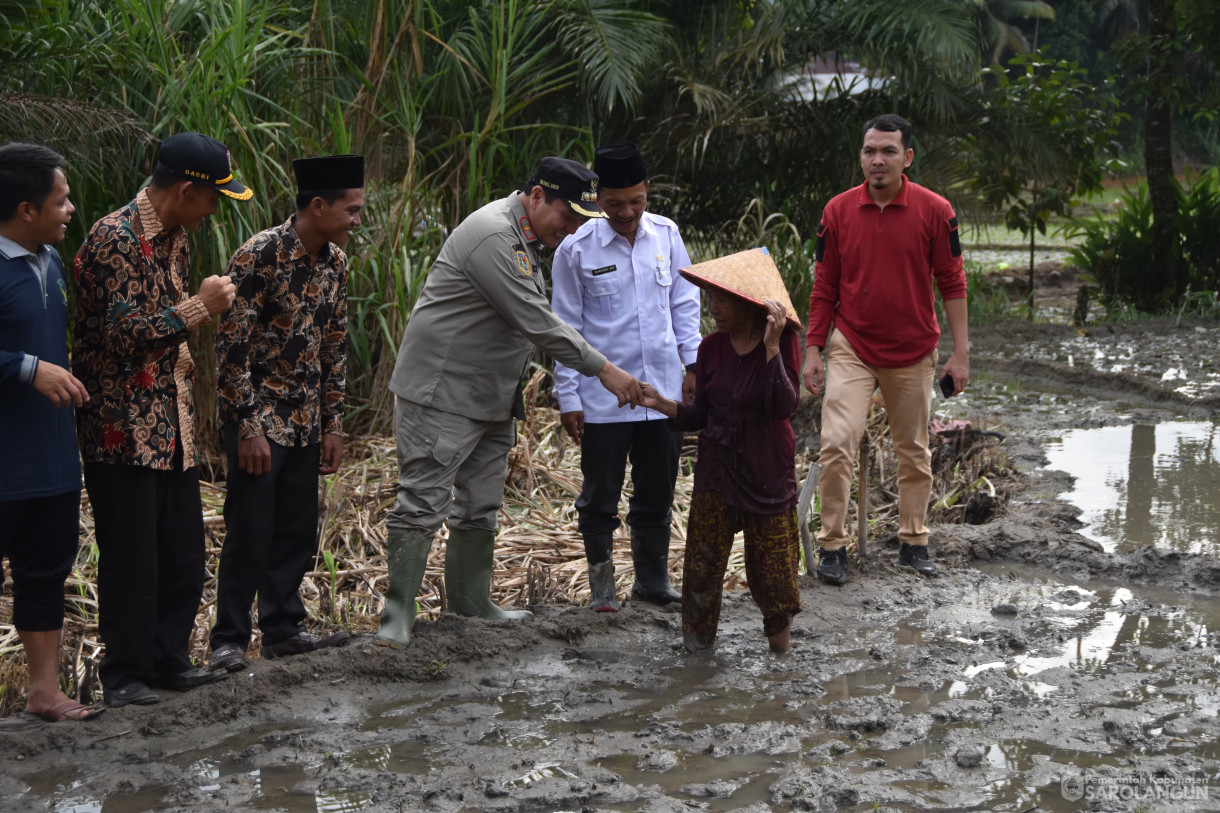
(523, 262)
(527, 228)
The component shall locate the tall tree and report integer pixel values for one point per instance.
(1164, 54)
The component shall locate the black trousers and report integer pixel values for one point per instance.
(270, 543)
(150, 571)
(653, 449)
(39, 535)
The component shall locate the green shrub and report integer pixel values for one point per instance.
(1118, 249)
(1201, 232)
(985, 297)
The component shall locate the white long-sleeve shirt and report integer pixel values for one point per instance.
(630, 303)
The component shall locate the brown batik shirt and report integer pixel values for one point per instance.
(133, 318)
(282, 347)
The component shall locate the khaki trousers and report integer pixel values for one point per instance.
(449, 467)
(907, 392)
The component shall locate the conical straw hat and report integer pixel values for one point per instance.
(751, 275)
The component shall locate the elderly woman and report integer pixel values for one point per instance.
(747, 385)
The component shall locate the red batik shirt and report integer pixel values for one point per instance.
(282, 347)
(133, 318)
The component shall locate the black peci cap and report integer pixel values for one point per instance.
(619, 166)
(571, 181)
(329, 172)
(197, 158)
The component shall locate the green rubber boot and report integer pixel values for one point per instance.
(468, 565)
(408, 558)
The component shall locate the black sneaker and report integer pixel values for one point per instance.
(832, 566)
(301, 643)
(916, 558)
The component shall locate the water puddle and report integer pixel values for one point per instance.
(1145, 484)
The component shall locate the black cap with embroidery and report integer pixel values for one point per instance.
(571, 181)
(329, 172)
(619, 166)
(197, 158)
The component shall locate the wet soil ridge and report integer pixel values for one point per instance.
(1044, 535)
(1105, 385)
(1156, 362)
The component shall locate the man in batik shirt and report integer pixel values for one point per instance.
(134, 315)
(282, 350)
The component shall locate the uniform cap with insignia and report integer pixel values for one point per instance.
(751, 275)
(329, 172)
(569, 180)
(199, 159)
(619, 166)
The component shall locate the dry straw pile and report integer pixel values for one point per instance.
(540, 556)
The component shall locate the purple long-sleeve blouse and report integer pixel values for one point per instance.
(743, 405)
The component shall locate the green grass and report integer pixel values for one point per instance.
(996, 234)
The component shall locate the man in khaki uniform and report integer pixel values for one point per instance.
(458, 385)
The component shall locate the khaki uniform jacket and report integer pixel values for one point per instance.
(482, 311)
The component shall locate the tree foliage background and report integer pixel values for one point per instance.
(749, 111)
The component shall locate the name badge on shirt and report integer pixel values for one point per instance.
(606, 269)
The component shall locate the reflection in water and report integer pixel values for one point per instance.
(1090, 650)
(1145, 484)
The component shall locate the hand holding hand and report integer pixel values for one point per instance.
(621, 383)
(650, 398)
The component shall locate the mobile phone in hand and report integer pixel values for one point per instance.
(947, 386)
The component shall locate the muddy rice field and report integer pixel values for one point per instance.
(1065, 658)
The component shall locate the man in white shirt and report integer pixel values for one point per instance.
(616, 281)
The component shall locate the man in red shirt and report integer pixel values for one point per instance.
(880, 246)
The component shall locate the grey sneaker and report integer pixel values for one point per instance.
(916, 557)
(832, 566)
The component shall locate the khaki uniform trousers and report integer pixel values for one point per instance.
(449, 467)
(907, 392)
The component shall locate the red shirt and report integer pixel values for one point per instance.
(873, 277)
(743, 405)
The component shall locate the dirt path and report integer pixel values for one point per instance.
(1036, 673)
